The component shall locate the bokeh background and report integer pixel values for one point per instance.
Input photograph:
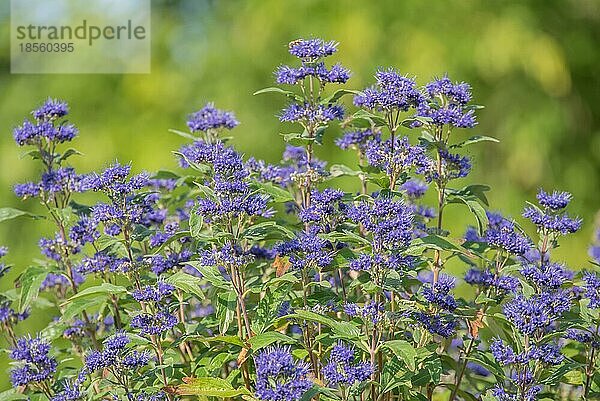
(533, 64)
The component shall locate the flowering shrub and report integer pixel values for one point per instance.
(237, 279)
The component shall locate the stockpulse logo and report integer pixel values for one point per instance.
(71, 36)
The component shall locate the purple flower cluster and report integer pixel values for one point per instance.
(547, 275)
(389, 221)
(415, 188)
(291, 76)
(117, 355)
(372, 263)
(453, 166)
(546, 353)
(371, 311)
(101, 262)
(503, 234)
(211, 118)
(294, 163)
(50, 110)
(29, 133)
(311, 114)
(35, 363)
(155, 293)
(438, 293)
(441, 324)
(397, 157)
(8, 316)
(312, 49)
(551, 219)
(307, 251)
(153, 324)
(391, 92)
(4, 268)
(357, 139)
(592, 289)
(84, 231)
(232, 193)
(115, 180)
(341, 369)
(485, 278)
(279, 377)
(60, 181)
(555, 200)
(537, 312)
(446, 103)
(325, 210)
(160, 264)
(584, 337)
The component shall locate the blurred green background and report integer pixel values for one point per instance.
(533, 64)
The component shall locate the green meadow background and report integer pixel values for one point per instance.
(533, 64)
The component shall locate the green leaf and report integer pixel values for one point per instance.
(184, 134)
(278, 194)
(475, 208)
(341, 328)
(235, 340)
(263, 340)
(187, 283)
(9, 213)
(210, 387)
(474, 139)
(279, 91)
(102, 289)
(337, 95)
(196, 223)
(557, 373)
(77, 306)
(30, 282)
(297, 139)
(212, 275)
(403, 350)
(438, 243)
(268, 230)
(165, 175)
(370, 117)
(12, 395)
(225, 309)
(338, 170)
(490, 364)
(68, 153)
(408, 122)
(461, 393)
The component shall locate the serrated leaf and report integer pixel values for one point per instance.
(278, 194)
(207, 387)
(9, 213)
(263, 340)
(338, 94)
(187, 283)
(102, 289)
(339, 170)
(68, 153)
(30, 282)
(184, 134)
(279, 91)
(75, 307)
(474, 139)
(403, 350)
(211, 274)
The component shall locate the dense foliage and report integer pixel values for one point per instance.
(238, 279)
